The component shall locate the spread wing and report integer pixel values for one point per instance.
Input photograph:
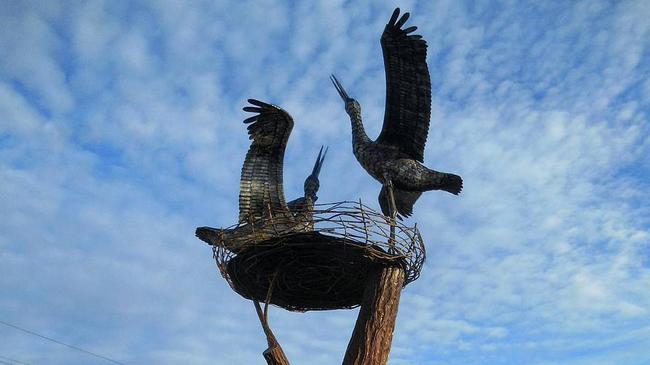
(261, 177)
(408, 88)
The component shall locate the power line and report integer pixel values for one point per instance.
(12, 361)
(7, 363)
(61, 343)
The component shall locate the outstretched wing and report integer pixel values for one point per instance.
(261, 177)
(408, 88)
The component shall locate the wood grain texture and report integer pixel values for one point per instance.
(273, 354)
(373, 332)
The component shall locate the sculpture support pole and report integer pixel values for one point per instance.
(273, 354)
(392, 208)
(373, 332)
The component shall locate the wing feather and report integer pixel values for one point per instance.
(261, 183)
(408, 88)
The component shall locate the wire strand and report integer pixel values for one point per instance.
(61, 343)
(13, 360)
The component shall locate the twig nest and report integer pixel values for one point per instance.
(326, 267)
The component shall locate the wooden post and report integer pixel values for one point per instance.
(373, 333)
(273, 354)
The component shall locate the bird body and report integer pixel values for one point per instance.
(396, 157)
(384, 162)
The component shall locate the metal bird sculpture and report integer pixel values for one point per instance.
(261, 194)
(304, 204)
(395, 158)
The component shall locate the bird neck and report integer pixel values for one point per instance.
(358, 132)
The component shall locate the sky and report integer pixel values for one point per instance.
(120, 132)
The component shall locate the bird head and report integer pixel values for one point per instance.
(311, 183)
(351, 105)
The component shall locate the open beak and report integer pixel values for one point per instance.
(339, 88)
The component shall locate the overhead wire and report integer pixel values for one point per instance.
(12, 361)
(60, 343)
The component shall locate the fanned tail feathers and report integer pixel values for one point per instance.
(208, 234)
(453, 184)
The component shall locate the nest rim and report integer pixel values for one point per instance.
(327, 267)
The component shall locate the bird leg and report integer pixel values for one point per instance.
(392, 209)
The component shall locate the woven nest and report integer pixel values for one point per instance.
(323, 267)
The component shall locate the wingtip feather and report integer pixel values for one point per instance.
(393, 17)
(258, 102)
(410, 29)
(402, 20)
(251, 119)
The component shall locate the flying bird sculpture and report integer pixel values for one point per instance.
(261, 193)
(396, 157)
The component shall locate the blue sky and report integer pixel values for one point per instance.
(120, 132)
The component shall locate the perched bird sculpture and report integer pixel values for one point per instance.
(304, 204)
(263, 211)
(395, 158)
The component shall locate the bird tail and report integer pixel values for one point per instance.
(452, 183)
(209, 235)
(232, 239)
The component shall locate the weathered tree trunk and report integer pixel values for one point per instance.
(373, 333)
(273, 354)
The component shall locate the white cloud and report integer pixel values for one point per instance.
(30, 58)
(120, 131)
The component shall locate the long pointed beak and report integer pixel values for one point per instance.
(319, 161)
(339, 88)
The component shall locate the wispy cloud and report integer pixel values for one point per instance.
(120, 131)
